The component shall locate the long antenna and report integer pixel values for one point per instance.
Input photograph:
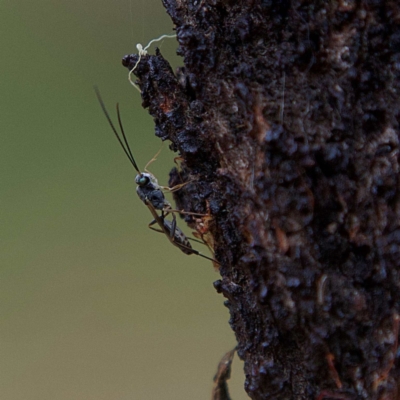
(124, 136)
(127, 152)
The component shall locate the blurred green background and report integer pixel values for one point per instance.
(93, 304)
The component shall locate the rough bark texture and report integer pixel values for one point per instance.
(286, 116)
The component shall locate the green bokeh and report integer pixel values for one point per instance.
(93, 305)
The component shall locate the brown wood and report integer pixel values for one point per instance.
(286, 117)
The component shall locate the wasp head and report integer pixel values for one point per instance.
(145, 179)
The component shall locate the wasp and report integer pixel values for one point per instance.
(174, 234)
(152, 195)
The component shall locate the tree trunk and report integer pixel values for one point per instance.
(286, 116)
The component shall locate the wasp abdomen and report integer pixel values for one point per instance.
(179, 237)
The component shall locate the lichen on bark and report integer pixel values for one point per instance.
(286, 118)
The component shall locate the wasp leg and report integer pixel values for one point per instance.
(193, 251)
(179, 158)
(196, 240)
(173, 227)
(174, 188)
(153, 159)
(155, 229)
(169, 210)
(178, 167)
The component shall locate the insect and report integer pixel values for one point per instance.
(152, 195)
(174, 234)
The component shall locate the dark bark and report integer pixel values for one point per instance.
(286, 115)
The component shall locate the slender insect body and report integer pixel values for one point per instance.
(179, 237)
(151, 193)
